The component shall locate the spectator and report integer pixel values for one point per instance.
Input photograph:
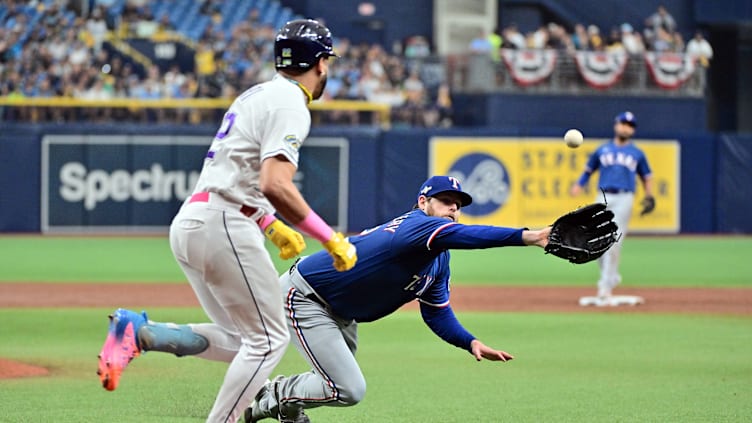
(539, 38)
(204, 59)
(631, 40)
(677, 42)
(52, 16)
(96, 26)
(514, 37)
(614, 41)
(416, 47)
(146, 26)
(558, 38)
(580, 38)
(480, 44)
(496, 41)
(699, 48)
(663, 41)
(164, 29)
(595, 41)
(443, 107)
(659, 20)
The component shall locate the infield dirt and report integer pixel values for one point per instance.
(726, 301)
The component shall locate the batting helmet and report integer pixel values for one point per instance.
(300, 43)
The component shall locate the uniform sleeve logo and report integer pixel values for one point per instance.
(293, 141)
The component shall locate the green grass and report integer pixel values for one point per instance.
(646, 261)
(595, 366)
(588, 367)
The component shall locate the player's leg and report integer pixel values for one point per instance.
(239, 292)
(328, 344)
(621, 205)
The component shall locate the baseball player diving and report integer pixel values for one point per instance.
(404, 259)
(619, 162)
(217, 237)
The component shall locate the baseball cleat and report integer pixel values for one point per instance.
(254, 413)
(120, 347)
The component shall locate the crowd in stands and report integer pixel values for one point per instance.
(50, 50)
(660, 33)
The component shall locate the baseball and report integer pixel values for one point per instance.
(573, 137)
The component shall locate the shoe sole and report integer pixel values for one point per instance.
(116, 354)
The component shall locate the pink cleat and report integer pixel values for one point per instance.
(120, 347)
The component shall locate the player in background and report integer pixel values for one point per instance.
(217, 237)
(619, 161)
(404, 259)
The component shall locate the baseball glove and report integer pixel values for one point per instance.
(648, 205)
(584, 234)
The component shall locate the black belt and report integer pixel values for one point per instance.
(614, 190)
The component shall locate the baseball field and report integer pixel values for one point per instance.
(683, 356)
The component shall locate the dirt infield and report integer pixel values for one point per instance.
(723, 301)
(736, 301)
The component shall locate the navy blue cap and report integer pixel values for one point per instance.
(626, 117)
(438, 184)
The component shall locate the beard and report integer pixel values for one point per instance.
(623, 136)
(320, 87)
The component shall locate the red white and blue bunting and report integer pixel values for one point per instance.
(529, 67)
(670, 70)
(601, 69)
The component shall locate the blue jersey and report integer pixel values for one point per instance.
(618, 166)
(399, 261)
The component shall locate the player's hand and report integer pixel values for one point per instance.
(648, 205)
(481, 351)
(342, 252)
(289, 241)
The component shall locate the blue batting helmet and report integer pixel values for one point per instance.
(300, 43)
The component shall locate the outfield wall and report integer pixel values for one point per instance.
(132, 178)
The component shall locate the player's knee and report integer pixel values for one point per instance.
(353, 393)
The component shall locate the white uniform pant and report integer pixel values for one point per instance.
(223, 256)
(621, 205)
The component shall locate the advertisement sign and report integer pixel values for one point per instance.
(136, 183)
(525, 181)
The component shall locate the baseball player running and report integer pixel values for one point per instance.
(404, 259)
(217, 237)
(618, 160)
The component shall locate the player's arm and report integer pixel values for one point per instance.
(444, 323)
(590, 167)
(472, 237)
(277, 185)
(647, 185)
(646, 176)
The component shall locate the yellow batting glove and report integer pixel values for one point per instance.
(342, 252)
(289, 241)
